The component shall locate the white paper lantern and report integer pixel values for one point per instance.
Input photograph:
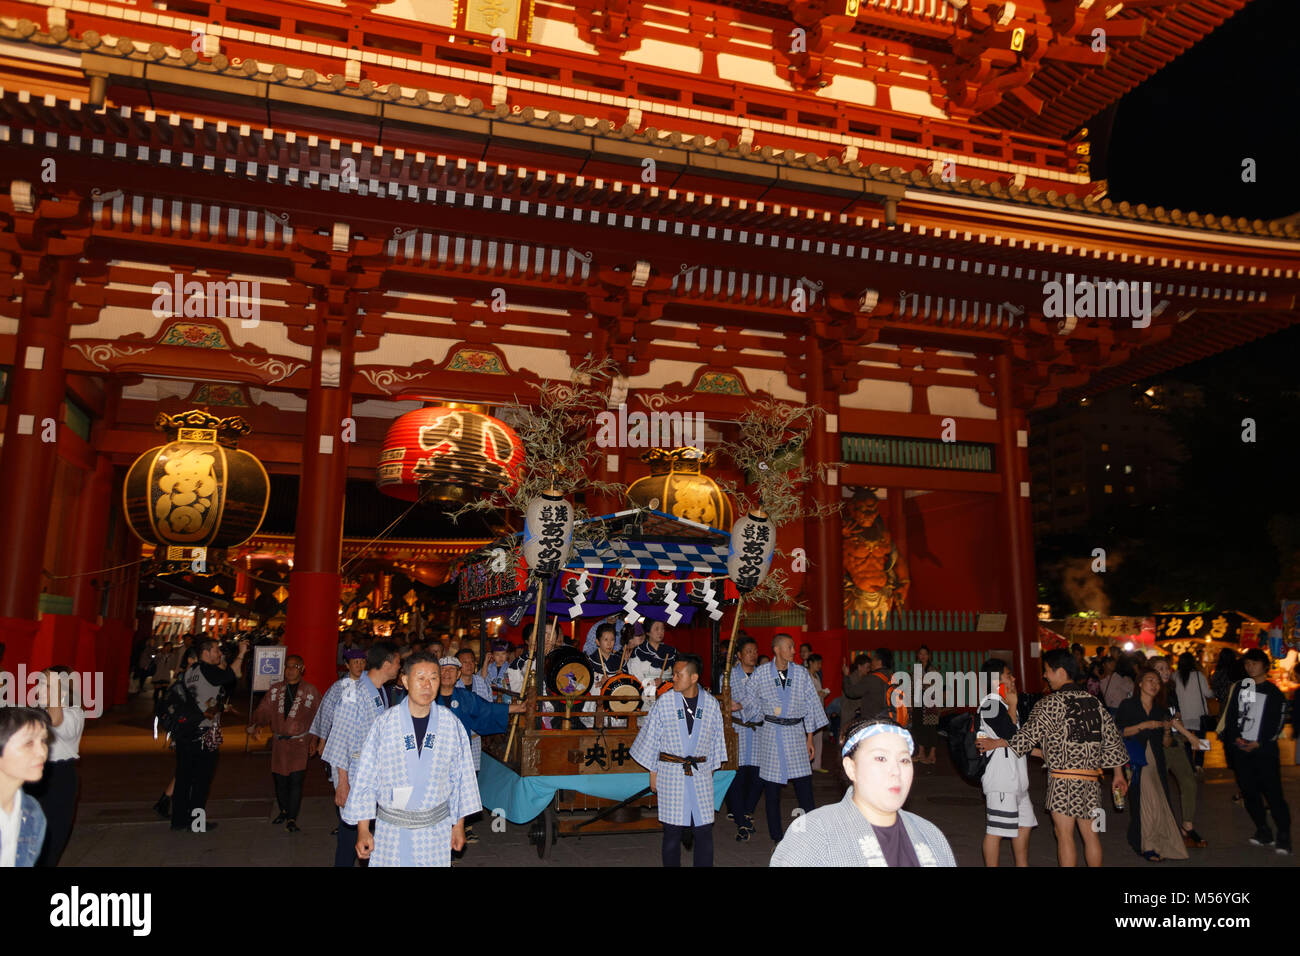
(548, 533)
(753, 539)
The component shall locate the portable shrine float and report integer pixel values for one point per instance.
(566, 767)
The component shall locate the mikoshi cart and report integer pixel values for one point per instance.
(569, 772)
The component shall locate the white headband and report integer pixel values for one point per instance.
(873, 729)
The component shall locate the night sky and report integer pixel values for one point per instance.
(1179, 139)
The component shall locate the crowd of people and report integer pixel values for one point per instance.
(400, 730)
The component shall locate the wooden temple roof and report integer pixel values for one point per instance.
(469, 174)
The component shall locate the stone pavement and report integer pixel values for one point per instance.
(123, 771)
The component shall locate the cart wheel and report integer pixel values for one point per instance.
(544, 833)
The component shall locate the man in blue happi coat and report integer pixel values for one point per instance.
(681, 744)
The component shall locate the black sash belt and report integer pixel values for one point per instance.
(690, 763)
(745, 723)
(784, 721)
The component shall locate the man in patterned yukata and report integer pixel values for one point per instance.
(869, 827)
(681, 744)
(781, 694)
(359, 707)
(321, 724)
(414, 778)
(1079, 740)
(745, 789)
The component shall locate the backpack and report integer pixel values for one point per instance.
(961, 731)
(897, 714)
(177, 713)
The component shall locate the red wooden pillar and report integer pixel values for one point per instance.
(312, 624)
(91, 538)
(1022, 615)
(27, 460)
(824, 585)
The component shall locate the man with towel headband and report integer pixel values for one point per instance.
(868, 827)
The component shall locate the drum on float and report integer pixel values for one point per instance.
(623, 693)
(568, 672)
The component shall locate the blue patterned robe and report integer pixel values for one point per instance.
(358, 708)
(683, 801)
(782, 750)
(480, 688)
(746, 737)
(496, 676)
(441, 772)
(324, 719)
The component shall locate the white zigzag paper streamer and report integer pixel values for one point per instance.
(580, 597)
(629, 602)
(674, 615)
(711, 602)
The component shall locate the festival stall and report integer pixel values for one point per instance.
(1206, 633)
(566, 766)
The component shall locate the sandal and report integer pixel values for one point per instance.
(1192, 840)
(1151, 856)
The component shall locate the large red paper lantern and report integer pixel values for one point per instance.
(448, 454)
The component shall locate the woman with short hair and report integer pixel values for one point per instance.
(24, 745)
(868, 827)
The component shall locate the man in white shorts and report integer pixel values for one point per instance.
(1006, 777)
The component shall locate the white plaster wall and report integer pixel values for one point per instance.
(373, 408)
(440, 12)
(544, 363)
(561, 35)
(743, 69)
(917, 102)
(957, 402)
(668, 56)
(880, 396)
(662, 372)
(851, 89)
(403, 351)
(761, 379)
(156, 389)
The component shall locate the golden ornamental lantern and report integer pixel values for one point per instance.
(678, 483)
(199, 491)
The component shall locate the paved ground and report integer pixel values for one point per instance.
(124, 770)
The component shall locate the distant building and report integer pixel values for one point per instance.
(1101, 453)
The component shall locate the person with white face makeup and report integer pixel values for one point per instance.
(868, 827)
